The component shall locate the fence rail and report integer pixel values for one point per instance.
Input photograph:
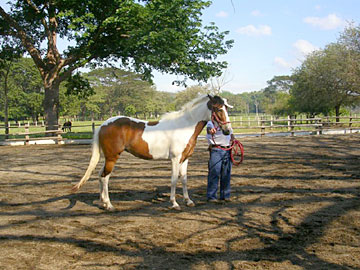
(296, 125)
(258, 127)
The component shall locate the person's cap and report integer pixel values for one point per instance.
(227, 104)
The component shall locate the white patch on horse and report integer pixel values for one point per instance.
(161, 140)
(114, 118)
(171, 135)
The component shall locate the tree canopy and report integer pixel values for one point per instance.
(139, 35)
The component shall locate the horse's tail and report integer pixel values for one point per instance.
(95, 157)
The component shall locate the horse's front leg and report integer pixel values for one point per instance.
(183, 177)
(175, 164)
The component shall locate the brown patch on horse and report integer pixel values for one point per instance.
(189, 149)
(123, 134)
(152, 123)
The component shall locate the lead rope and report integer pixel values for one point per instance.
(236, 147)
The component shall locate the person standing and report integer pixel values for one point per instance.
(220, 163)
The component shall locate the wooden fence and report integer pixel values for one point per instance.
(242, 126)
(261, 126)
(28, 136)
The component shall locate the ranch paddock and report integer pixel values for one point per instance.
(295, 205)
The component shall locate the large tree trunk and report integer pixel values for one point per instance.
(51, 107)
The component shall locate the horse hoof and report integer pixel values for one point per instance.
(176, 207)
(109, 208)
(190, 204)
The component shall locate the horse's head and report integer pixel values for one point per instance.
(219, 113)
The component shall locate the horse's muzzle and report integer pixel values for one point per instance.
(226, 132)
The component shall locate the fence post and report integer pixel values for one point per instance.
(27, 137)
(262, 131)
(7, 130)
(289, 122)
(319, 126)
(350, 123)
(59, 137)
(93, 127)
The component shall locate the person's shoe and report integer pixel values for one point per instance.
(226, 200)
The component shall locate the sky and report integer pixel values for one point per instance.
(271, 37)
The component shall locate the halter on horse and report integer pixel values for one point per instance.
(173, 137)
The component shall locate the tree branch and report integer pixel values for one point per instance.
(25, 40)
(43, 21)
(63, 76)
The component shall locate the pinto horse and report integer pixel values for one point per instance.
(173, 137)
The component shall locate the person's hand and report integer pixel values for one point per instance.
(212, 131)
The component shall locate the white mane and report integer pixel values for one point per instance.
(185, 109)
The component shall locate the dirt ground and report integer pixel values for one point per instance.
(295, 205)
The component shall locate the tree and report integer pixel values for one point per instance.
(321, 83)
(184, 96)
(237, 101)
(115, 89)
(276, 95)
(9, 54)
(28, 83)
(5, 68)
(350, 40)
(218, 83)
(142, 35)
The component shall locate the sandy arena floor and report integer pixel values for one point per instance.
(295, 205)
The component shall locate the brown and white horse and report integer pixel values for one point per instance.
(173, 137)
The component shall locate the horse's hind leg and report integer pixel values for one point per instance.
(104, 184)
(183, 177)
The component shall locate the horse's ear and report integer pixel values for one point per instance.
(210, 102)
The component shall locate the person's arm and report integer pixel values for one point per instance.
(232, 137)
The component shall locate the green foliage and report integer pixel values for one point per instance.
(184, 96)
(237, 101)
(130, 110)
(322, 83)
(275, 99)
(79, 86)
(141, 36)
(25, 90)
